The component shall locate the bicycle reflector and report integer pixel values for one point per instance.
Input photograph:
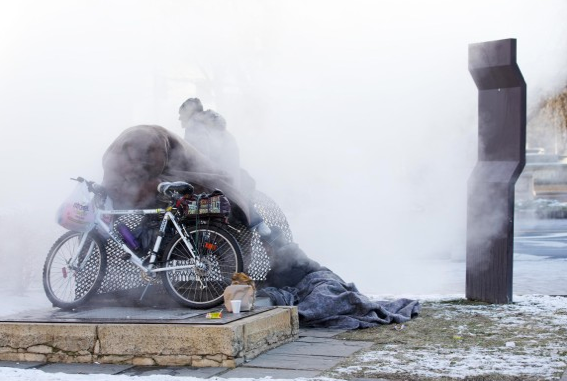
(210, 246)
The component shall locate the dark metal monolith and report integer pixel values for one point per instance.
(501, 159)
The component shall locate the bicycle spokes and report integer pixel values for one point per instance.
(216, 258)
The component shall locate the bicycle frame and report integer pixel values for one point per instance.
(133, 258)
(188, 249)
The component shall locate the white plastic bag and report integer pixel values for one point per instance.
(76, 212)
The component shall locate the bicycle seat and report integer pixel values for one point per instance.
(180, 187)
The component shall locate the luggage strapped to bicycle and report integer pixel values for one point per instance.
(215, 204)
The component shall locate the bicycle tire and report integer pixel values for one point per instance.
(66, 287)
(219, 256)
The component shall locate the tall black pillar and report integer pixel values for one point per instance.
(501, 159)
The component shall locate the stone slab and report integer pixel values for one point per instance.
(43, 336)
(174, 371)
(127, 315)
(320, 332)
(84, 368)
(284, 361)
(309, 339)
(322, 347)
(227, 343)
(324, 340)
(248, 372)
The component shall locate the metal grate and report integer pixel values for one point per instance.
(122, 275)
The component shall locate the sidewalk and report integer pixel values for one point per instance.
(313, 353)
(451, 339)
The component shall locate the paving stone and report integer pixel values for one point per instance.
(285, 361)
(328, 347)
(84, 368)
(246, 372)
(320, 332)
(311, 339)
(20, 364)
(174, 371)
(354, 343)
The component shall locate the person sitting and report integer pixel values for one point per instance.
(206, 131)
(143, 156)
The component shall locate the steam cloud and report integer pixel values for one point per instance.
(358, 118)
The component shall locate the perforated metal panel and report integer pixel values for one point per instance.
(255, 255)
(122, 275)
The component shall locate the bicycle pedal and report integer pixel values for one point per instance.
(126, 256)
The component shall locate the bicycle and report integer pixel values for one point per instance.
(196, 265)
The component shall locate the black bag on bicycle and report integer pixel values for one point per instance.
(215, 204)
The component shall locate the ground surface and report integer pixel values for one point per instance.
(451, 339)
(458, 339)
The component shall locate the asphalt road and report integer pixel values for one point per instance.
(547, 238)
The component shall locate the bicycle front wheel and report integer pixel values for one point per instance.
(217, 258)
(71, 277)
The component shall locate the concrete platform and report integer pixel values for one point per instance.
(311, 355)
(145, 336)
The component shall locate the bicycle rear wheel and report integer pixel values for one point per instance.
(68, 282)
(218, 257)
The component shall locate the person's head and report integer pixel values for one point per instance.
(188, 109)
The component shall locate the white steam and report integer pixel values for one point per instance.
(358, 118)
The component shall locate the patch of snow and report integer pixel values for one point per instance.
(32, 299)
(13, 374)
(529, 257)
(542, 359)
(459, 363)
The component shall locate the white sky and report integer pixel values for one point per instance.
(357, 117)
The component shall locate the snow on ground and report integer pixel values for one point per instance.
(32, 299)
(532, 274)
(537, 347)
(11, 374)
(475, 362)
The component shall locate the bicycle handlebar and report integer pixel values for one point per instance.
(92, 186)
(174, 190)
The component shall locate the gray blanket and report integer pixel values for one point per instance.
(323, 299)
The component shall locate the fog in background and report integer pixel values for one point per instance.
(357, 117)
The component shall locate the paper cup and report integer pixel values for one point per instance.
(235, 306)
